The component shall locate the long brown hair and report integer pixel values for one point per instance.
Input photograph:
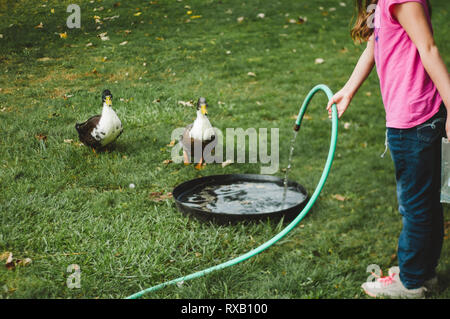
(361, 32)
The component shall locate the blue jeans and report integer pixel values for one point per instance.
(416, 153)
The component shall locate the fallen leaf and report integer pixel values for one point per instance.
(103, 36)
(52, 10)
(23, 262)
(9, 262)
(172, 143)
(160, 196)
(39, 26)
(339, 197)
(68, 141)
(63, 35)
(261, 15)
(167, 162)
(196, 17)
(41, 137)
(301, 20)
(137, 14)
(251, 74)
(123, 43)
(319, 61)
(240, 19)
(44, 59)
(187, 103)
(4, 255)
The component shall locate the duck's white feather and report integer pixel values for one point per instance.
(202, 128)
(109, 126)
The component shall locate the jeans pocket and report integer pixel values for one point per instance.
(431, 130)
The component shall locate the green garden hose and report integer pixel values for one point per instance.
(289, 227)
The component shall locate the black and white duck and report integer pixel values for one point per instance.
(198, 133)
(101, 130)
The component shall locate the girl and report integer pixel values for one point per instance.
(415, 87)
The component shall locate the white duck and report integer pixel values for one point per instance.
(101, 130)
(200, 132)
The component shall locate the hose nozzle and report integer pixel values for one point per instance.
(296, 127)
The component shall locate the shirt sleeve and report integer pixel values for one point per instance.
(392, 3)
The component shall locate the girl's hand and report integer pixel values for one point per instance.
(447, 126)
(342, 100)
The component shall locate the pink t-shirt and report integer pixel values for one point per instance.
(409, 95)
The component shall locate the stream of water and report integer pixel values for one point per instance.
(288, 168)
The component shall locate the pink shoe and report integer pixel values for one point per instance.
(391, 287)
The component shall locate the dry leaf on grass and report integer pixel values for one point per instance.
(41, 137)
(160, 196)
(319, 61)
(167, 162)
(301, 20)
(5, 255)
(44, 59)
(11, 263)
(339, 197)
(186, 103)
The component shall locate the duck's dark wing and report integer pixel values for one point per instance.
(188, 142)
(84, 131)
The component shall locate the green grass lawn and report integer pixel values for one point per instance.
(61, 204)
